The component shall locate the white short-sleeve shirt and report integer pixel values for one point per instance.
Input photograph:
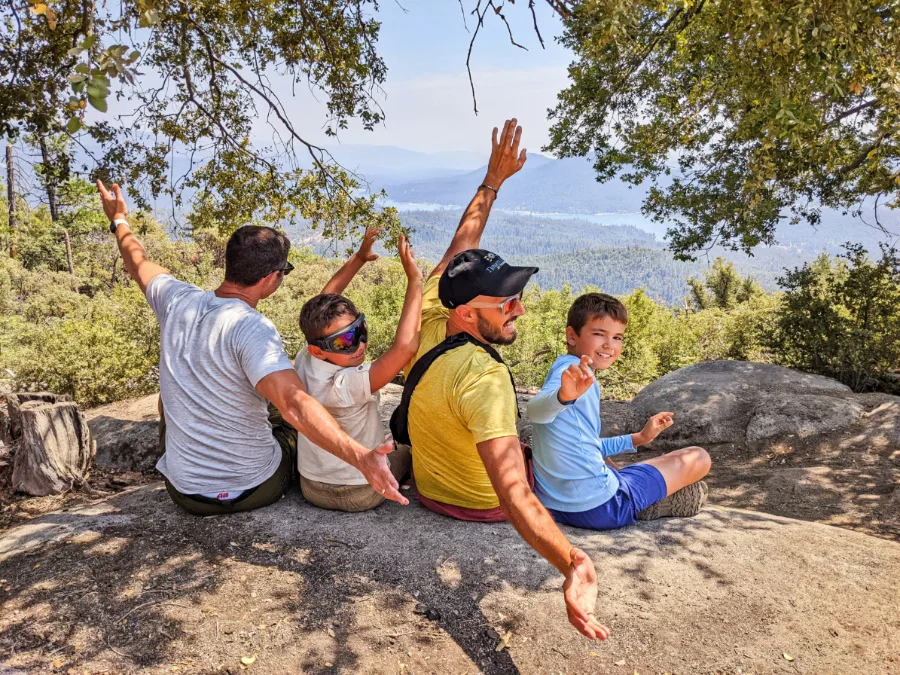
(346, 393)
(213, 352)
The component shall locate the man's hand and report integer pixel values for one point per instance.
(580, 591)
(408, 260)
(365, 250)
(654, 427)
(114, 205)
(376, 470)
(575, 380)
(505, 156)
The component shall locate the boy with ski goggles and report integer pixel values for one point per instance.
(333, 369)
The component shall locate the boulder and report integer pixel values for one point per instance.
(127, 434)
(55, 448)
(737, 402)
(296, 589)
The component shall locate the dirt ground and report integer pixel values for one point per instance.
(113, 578)
(133, 585)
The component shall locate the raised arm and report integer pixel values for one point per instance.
(406, 339)
(505, 161)
(138, 266)
(344, 276)
(285, 390)
(505, 465)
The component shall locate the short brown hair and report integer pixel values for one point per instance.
(595, 305)
(320, 310)
(253, 253)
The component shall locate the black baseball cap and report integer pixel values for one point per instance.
(478, 272)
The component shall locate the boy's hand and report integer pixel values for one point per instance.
(365, 250)
(408, 260)
(505, 156)
(575, 380)
(654, 427)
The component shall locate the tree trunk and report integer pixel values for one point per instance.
(55, 450)
(49, 181)
(69, 252)
(14, 403)
(11, 196)
(50, 174)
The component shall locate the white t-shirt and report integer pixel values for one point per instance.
(347, 394)
(213, 352)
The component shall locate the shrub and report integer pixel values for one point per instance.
(841, 318)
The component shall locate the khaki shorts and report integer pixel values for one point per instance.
(354, 498)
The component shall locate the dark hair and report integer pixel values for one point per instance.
(253, 253)
(320, 310)
(595, 305)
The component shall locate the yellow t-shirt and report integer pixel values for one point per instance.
(463, 399)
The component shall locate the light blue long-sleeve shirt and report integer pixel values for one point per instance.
(569, 468)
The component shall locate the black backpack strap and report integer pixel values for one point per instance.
(400, 417)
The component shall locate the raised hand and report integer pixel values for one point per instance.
(408, 260)
(575, 380)
(114, 205)
(655, 426)
(505, 156)
(580, 592)
(377, 472)
(365, 253)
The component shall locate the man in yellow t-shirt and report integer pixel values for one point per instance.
(467, 460)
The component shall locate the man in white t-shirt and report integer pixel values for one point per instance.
(221, 363)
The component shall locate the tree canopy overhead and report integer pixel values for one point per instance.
(739, 113)
(198, 74)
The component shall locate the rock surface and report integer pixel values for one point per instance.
(132, 584)
(744, 403)
(127, 434)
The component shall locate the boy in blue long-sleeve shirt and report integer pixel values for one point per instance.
(574, 477)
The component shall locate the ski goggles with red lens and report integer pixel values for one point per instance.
(346, 340)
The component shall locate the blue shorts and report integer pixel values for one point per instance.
(640, 486)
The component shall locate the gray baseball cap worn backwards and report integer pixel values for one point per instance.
(478, 272)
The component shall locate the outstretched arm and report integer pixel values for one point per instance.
(138, 266)
(285, 390)
(406, 339)
(344, 276)
(505, 161)
(505, 465)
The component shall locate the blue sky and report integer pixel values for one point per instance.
(427, 100)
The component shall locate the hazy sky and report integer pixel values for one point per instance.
(427, 99)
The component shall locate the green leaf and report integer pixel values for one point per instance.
(75, 51)
(99, 102)
(83, 68)
(89, 41)
(76, 77)
(73, 126)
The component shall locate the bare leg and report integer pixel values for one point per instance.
(682, 467)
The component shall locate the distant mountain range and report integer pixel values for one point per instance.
(544, 185)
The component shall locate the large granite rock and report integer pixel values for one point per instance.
(127, 434)
(134, 585)
(744, 403)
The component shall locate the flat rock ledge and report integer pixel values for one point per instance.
(132, 584)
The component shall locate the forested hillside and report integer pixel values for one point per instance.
(578, 252)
